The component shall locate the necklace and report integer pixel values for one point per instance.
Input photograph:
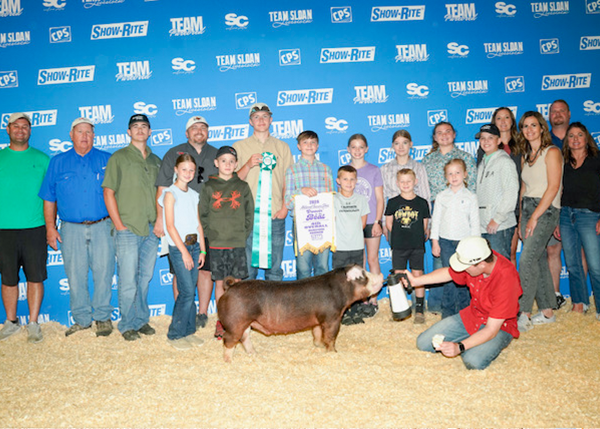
(531, 160)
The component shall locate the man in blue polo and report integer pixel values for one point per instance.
(73, 187)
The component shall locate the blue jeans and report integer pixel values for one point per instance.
(434, 299)
(500, 241)
(86, 247)
(577, 230)
(308, 261)
(183, 322)
(454, 297)
(534, 272)
(478, 357)
(277, 243)
(136, 257)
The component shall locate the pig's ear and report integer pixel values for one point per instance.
(355, 273)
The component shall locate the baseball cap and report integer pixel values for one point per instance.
(81, 121)
(195, 120)
(226, 150)
(139, 118)
(18, 115)
(488, 128)
(470, 251)
(260, 107)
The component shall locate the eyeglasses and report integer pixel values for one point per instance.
(200, 171)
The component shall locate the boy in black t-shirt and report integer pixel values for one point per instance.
(406, 219)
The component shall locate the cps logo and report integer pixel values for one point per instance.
(180, 65)
(457, 50)
(592, 6)
(166, 278)
(289, 57)
(236, 22)
(435, 116)
(9, 79)
(244, 100)
(417, 91)
(591, 108)
(59, 146)
(341, 14)
(514, 84)
(343, 157)
(162, 137)
(335, 125)
(55, 4)
(549, 46)
(505, 9)
(145, 109)
(60, 34)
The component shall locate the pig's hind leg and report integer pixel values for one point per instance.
(330, 332)
(245, 340)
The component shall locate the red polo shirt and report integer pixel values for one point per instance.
(496, 296)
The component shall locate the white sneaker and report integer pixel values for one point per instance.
(180, 344)
(524, 323)
(9, 329)
(34, 333)
(194, 340)
(540, 319)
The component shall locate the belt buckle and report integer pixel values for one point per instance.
(191, 239)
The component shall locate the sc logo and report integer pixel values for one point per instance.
(57, 145)
(145, 109)
(54, 3)
(591, 107)
(179, 64)
(334, 124)
(505, 9)
(456, 49)
(232, 20)
(417, 90)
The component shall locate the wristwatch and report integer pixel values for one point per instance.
(461, 346)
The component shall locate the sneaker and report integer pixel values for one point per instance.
(219, 331)
(201, 320)
(147, 330)
(194, 340)
(76, 328)
(560, 301)
(104, 328)
(131, 335)
(34, 333)
(524, 323)
(369, 310)
(419, 319)
(180, 344)
(9, 329)
(540, 319)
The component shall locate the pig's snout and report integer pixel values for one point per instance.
(375, 283)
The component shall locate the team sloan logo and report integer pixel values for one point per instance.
(187, 26)
(460, 12)
(60, 34)
(221, 133)
(384, 122)
(15, 38)
(500, 49)
(39, 118)
(505, 10)
(288, 17)
(9, 79)
(548, 8)
(412, 53)
(237, 61)
(467, 87)
(334, 125)
(133, 70)
(185, 106)
(10, 8)
(99, 114)
(589, 42)
(119, 30)
(366, 94)
(397, 13)
(483, 115)
(54, 5)
(66, 75)
(348, 55)
(287, 129)
(591, 108)
(236, 22)
(111, 141)
(299, 97)
(566, 81)
(91, 3)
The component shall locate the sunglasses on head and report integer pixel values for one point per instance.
(260, 109)
(200, 171)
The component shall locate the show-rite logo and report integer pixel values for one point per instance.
(100, 114)
(592, 6)
(483, 115)
(386, 154)
(236, 61)
(187, 26)
(60, 34)
(412, 53)
(185, 106)
(66, 75)
(367, 94)
(341, 14)
(10, 8)
(298, 97)
(397, 13)
(119, 30)
(221, 133)
(15, 38)
(499, 49)
(467, 87)
(59, 146)
(289, 57)
(548, 8)
(414, 90)
(287, 129)
(54, 5)
(348, 55)
(243, 100)
(235, 22)
(157, 310)
(456, 50)
(181, 66)
(435, 116)
(334, 125)
(288, 17)
(9, 79)
(54, 258)
(133, 70)
(514, 84)
(460, 12)
(505, 10)
(591, 108)
(162, 137)
(91, 3)
(418, 152)
(147, 109)
(384, 122)
(566, 81)
(39, 118)
(589, 42)
(111, 141)
(549, 46)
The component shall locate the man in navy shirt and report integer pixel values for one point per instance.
(72, 187)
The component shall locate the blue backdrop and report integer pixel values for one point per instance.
(336, 68)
